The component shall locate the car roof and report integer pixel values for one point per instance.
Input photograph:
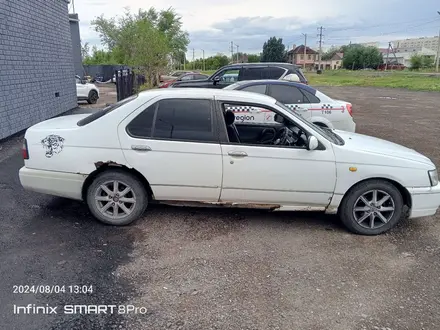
(248, 83)
(280, 64)
(220, 94)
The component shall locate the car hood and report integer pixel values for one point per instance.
(373, 145)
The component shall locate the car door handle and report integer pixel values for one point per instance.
(237, 153)
(301, 109)
(141, 148)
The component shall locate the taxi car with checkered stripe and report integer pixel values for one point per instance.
(305, 100)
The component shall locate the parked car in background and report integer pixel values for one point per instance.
(86, 91)
(184, 147)
(306, 101)
(184, 77)
(232, 73)
(173, 75)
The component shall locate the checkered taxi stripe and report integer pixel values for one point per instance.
(325, 106)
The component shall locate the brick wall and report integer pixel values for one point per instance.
(36, 63)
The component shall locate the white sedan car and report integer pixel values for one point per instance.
(86, 91)
(306, 101)
(181, 146)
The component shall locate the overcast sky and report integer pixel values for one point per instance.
(213, 24)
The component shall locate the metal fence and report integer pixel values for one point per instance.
(127, 83)
(102, 72)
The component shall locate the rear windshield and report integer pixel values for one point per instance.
(106, 110)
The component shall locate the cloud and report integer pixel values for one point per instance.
(213, 24)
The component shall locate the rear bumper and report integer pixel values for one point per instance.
(68, 185)
(425, 201)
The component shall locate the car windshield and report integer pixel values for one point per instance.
(106, 110)
(325, 132)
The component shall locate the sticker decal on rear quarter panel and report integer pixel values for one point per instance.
(53, 144)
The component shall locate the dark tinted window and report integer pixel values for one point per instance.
(142, 125)
(200, 76)
(187, 77)
(252, 73)
(261, 89)
(273, 73)
(287, 94)
(311, 98)
(184, 119)
(106, 110)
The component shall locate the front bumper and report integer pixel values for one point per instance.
(425, 201)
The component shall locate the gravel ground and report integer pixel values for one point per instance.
(232, 269)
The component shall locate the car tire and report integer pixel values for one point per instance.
(103, 201)
(353, 208)
(93, 97)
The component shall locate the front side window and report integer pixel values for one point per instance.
(228, 76)
(175, 119)
(287, 94)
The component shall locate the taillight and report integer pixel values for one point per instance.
(349, 109)
(25, 151)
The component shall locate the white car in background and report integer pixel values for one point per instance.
(306, 101)
(181, 146)
(86, 91)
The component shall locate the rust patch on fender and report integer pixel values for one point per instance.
(109, 163)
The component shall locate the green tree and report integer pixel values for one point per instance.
(147, 40)
(274, 50)
(99, 57)
(85, 50)
(360, 57)
(254, 58)
(428, 62)
(416, 62)
(330, 53)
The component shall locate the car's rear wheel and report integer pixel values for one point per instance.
(117, 198)
(372, 207)
(93, 97)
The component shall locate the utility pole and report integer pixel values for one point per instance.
(388, 55)
(193, 63)
(438, 49)
(203, 52)
(320, 45)
(237, 53)
(232, 51)
(305, 50)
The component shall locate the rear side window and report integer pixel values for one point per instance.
(261, 89)
(312, 98)
(287, 94)
(273, 73)
(175, 119)
(252, 73)
(103, 112)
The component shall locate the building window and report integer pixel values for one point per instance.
(310, 57)
(302, 57)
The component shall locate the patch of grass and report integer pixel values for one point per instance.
(208, 72)
(408, 80)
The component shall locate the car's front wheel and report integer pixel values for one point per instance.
(93, 97)
(372, 207)
(117, 198)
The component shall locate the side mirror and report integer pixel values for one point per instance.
(312, 143)
(216, 80)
